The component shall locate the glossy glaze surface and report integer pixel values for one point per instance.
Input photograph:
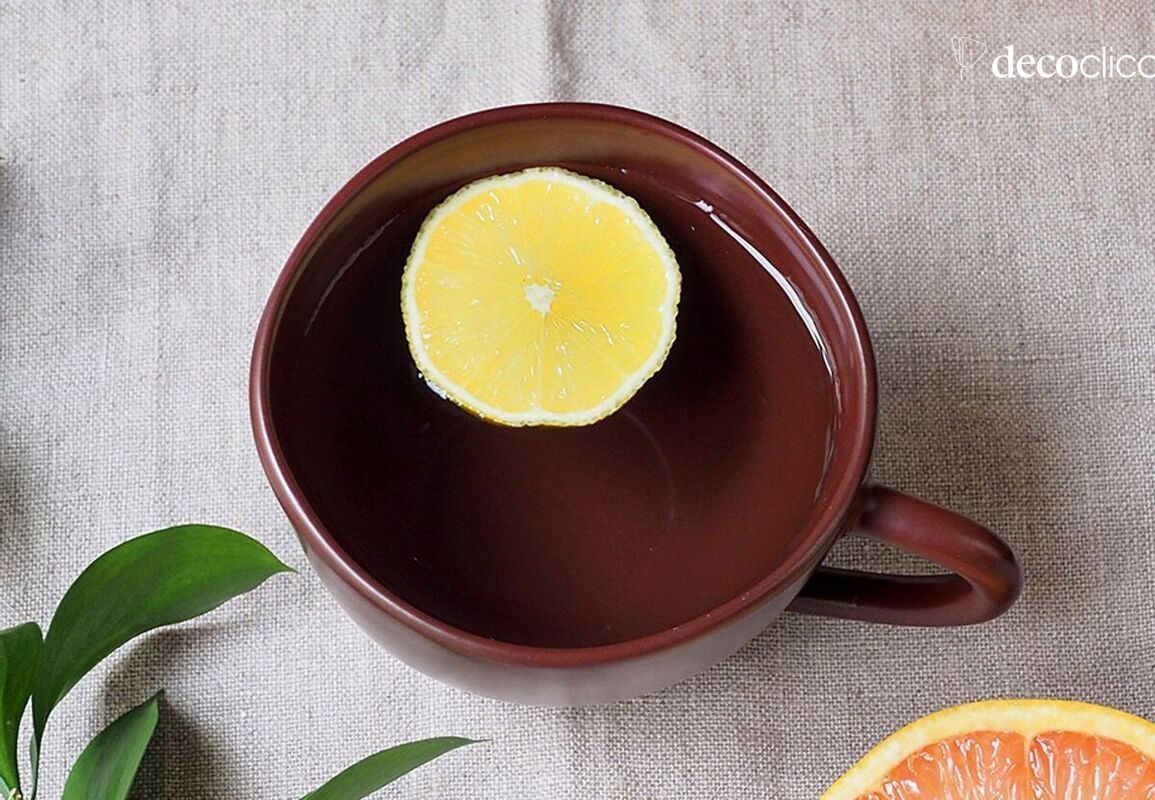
(772, 335)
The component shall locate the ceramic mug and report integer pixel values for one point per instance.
(572, 566)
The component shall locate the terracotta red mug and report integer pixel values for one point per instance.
(579, 565)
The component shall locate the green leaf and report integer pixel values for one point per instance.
(107, 767)
(19, 657)
(381, 769)
(153, 580)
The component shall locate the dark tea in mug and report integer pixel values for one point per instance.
(572, 537)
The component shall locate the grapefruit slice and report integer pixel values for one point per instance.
(1010, 750)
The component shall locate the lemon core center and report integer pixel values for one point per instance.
(540, 297)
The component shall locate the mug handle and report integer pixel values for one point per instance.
(984, 578)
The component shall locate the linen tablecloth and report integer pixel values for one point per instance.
(160, 161)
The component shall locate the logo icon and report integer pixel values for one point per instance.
(967, 51)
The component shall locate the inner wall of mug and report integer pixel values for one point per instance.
(572, 537)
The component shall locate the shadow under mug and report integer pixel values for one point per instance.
(342, 531)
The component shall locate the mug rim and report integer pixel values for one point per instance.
(815, 540)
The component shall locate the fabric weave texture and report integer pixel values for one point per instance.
(160, 160)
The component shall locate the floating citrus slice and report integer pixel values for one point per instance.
(1010, 750)
(540, 297)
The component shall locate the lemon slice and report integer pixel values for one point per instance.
(541, 297)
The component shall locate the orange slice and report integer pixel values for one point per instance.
(541, 297)
(1010, 750)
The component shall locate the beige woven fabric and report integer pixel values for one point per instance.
(160, 162)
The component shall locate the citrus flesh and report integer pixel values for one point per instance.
(540, 297)
(1010, 750)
